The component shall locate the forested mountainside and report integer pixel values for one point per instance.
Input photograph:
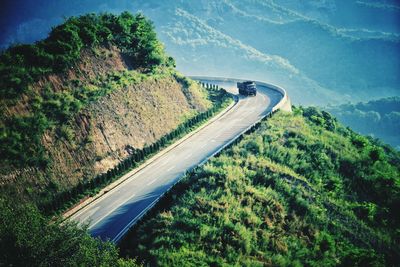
(302, 190)
(378, 118)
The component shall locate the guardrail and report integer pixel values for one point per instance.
(284, 103)
(281, 104)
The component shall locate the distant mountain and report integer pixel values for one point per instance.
(330, 51)
(378, 118)
(316, 61)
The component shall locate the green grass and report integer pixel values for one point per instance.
(301, 190)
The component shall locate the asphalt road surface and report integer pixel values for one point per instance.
(111, 215)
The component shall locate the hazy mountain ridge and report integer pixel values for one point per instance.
(217, 53)
(379, 5)
(261, 11)
(358, 67)
(339, 54)
(378, 118)
(335, 61)
(348, 14)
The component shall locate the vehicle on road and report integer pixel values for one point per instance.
(247, 88)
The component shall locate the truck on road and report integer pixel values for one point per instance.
(247, 88)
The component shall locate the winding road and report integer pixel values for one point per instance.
(111, 215)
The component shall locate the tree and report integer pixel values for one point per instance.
(145, 48)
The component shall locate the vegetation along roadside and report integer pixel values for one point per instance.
(299, 190)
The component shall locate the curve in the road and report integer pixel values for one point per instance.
(111, 215)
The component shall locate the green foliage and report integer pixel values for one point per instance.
(144, 47)
(67, 133)
(186, 82)
(28, 238)
(20, 138)
(297, 190)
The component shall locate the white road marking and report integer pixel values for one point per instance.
(203, 145)
(152, 182)
(123, 231)
(188, 155)
(78, 214)
(170, 168)
(112, 210)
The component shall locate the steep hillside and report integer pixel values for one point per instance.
(378, 118)
(302, 190)
(105, 89)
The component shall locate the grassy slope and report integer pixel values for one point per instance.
(301, 190)
(136, 112)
